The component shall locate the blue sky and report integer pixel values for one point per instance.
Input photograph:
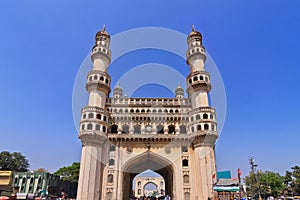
(254, 43)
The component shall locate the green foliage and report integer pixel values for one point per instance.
(292, 181)
(268, 183)
(69, 173)
(13, 161)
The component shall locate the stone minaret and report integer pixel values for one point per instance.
(202, 123)
(94, 121)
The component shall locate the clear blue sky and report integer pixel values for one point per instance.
(254, 43)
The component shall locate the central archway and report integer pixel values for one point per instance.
(142, 162)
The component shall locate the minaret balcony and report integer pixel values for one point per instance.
(100, 52)
(196, 51)
(98, 80)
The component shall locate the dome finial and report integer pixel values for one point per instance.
(178, 84)
(193, 27)
(104, 26)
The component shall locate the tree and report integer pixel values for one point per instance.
(268, 183)
(292, 180)
(13, 161)
(69, 173)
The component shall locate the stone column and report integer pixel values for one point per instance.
(90, 177)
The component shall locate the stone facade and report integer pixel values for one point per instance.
(141, 182)
(122, 137)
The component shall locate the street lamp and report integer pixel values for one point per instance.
(253, 169)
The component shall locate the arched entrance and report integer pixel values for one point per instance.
(143, 162)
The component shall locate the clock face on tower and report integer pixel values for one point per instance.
(148, 128)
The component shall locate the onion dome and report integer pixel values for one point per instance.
(102, 33)
(195, 34)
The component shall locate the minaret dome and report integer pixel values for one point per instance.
(117, 93)
(179, 91)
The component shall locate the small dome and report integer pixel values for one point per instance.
(117, 93)
(195, 33)
(102, 33)
(179, 91)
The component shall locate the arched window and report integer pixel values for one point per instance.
(171, 129)
(201, 78)
(206, 127)
(176, 111)
(137, 110)
(212, 127)
(159, 111)
(192, 129)
(195, 78)
(192, 118)
(198, 127)
(211, 116)
(137, 129)
(84, 116)
(206, 79)
(98, 116)
(160, 129)
(187, 196)
(120, 111)
(182, 128)
(161, 183)
(104, 118)
(101, 78)
(142, 111)
(112, 148)
(111, 162)
(126, 111)
(91, 115)
(110, 178)
(95, 77)
(166, 110)
(184, 149)
(90, 126)
(154, 111)
(98, 127)
(104, 129)
(125, 129)
(190, 81)
(171, 111)
(139, 183)
(197, 117)
(185, 163)
(82, 127)
(205, 116)
(131, 111)
(139, 192)
(114, 129)
(109, 196)
(186, 179)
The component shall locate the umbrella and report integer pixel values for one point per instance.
(4, 198)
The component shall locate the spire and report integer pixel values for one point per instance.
(193, 27)
(103, 28)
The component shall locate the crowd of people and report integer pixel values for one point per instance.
(167, 197)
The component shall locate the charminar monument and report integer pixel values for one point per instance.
(122, 137)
